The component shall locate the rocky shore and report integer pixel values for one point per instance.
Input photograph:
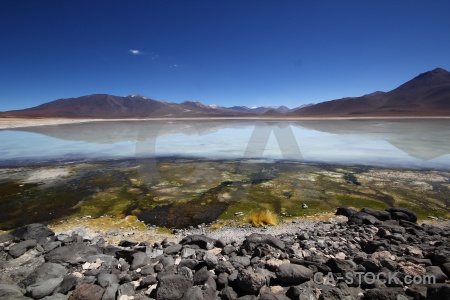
(367, 254)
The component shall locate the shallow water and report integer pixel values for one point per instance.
(415, 143)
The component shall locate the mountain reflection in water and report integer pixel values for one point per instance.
(422, 143)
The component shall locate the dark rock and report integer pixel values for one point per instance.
(87, 291)
(224, 267)
(399, 213)
(255, 239)
(172, 287)
(68, 283)
(73, 254)
(148, 280)
(222, 280)
(361, 218)
(194, 293)
(438, 292)
(189, 263)
(340, 265)
(201, 276)
(417, 292)
(228, 294)
(250, 282)
(20, 248)
(345, 211)
(127, 255)
(199, 240)
(293, 274)
(371, 265)
(383, 294)
(437, 273)
(36, 231)
(210, 284)
(381, 215)
(273, 296)
(173, 249)
(446, 268)
(125, 243)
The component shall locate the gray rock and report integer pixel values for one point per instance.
(250, 282)
(240, 261)
(173, 249)
(68, 283)
(110, 292)
(172, 287)
(44, 272)
(188, 253)
(9, 290)
(126, 289)
(72, 254)
(106, 279)
(38, 232)
(228, 294)
(273, 296)
(140, 259)
(293, 274)
(201, 276)
(210, 259)
(43, 288)
(20, 248)
(345, 211)
(194, 293)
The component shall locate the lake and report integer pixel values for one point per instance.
(414, 143)
(183, 173)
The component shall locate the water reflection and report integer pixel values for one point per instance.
(412, 143)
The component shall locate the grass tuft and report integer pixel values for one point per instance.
(261, 218)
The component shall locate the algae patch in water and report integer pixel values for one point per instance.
(190, 192)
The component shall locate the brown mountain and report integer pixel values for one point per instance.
(425, 95)
(105, 106)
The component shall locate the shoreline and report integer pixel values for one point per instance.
(8, 123)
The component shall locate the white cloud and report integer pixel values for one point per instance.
(135, 52)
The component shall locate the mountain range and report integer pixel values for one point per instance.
(428, 94)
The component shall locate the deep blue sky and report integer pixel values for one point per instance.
(218, 52)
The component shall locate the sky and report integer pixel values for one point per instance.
(253, 53)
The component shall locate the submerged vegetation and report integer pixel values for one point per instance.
(182, 192)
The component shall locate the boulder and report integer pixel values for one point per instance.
(172, 287)
(255, 239)
(381, 215)
(250, 282)
(72, 254)
(20, 248)
(199, 240)
(36, 231)
(400, 213)
(293, 274)
(87, 291)
(345, 211)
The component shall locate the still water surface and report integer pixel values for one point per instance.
(417, 143)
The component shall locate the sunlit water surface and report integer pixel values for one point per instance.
(417, 143)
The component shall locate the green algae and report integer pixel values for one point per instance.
(190, 192)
